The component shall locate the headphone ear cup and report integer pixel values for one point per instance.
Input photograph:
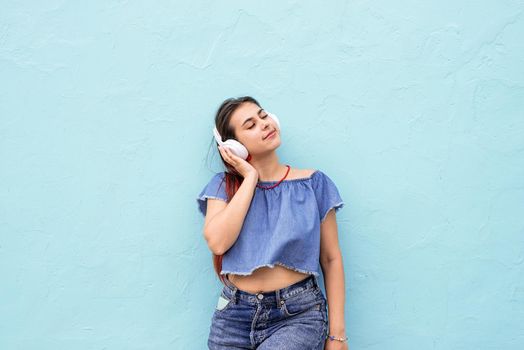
(274, 117)
(237, 148)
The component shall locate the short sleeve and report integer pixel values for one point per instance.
(326, 193)
(216, 188)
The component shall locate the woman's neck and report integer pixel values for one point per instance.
(269, 169)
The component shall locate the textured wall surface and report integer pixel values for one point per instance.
(414, 108)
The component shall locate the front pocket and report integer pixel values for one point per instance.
(286, 312)
(301, 303)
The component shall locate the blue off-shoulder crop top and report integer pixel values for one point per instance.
(282, 225)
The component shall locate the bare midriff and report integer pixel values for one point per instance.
(266, 279)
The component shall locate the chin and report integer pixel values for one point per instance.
(270, 148)
(276, 145)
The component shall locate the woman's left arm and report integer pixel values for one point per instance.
(333, 271)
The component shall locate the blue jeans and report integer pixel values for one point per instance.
(294, 317)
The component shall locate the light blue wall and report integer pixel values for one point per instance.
(415, 109)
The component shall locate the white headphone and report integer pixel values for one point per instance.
(236, 147)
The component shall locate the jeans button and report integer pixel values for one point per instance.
(260, 296)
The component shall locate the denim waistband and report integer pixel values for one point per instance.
(231, 291)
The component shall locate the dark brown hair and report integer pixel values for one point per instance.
(233, 179)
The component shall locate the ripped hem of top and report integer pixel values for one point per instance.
(272, 266)
(213, 197)
(336, 206)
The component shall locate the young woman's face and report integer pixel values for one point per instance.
(252, 126)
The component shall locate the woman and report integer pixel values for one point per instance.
(269, 226)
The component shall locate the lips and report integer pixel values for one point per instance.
(269, 134)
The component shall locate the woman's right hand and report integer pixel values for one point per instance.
(241, 166)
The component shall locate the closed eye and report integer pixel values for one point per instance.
(252, 125)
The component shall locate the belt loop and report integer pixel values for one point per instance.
(277, 295)
(234, 297)
(315, 281)
(233, 288)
